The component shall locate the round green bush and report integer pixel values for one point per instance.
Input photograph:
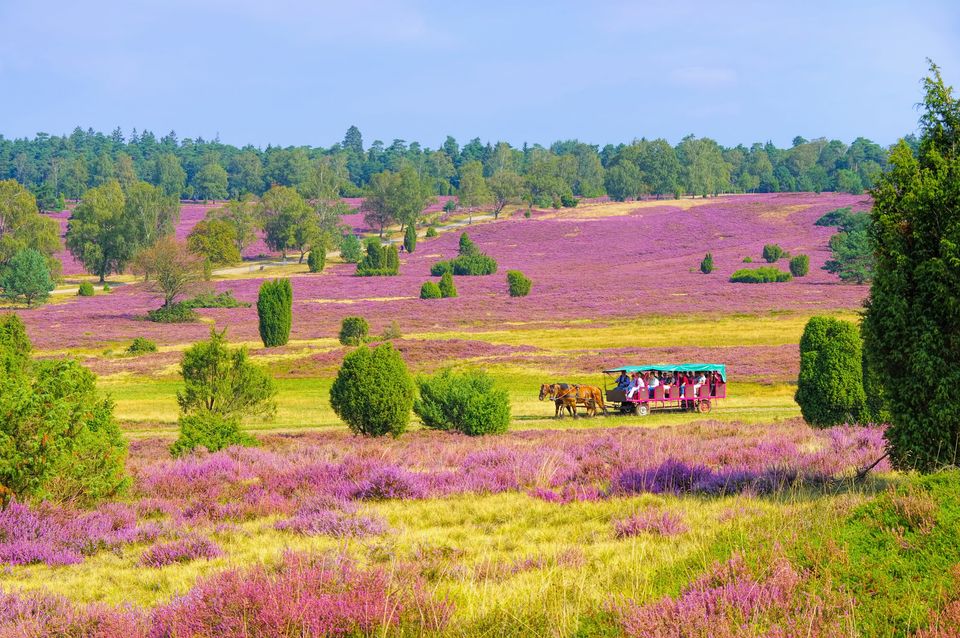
(748, 260)
(518, 283)
(430, 290)
(373, 392)
(432, 232)
(85, 290)
(174, 313)
(830, 385)
(350, 249)
(141, 346)
(800, 266)
(354, 331)
(447, 287)
(317, 259)
(706, 266)
(275, 312)
(107, 288)
(211, 431)
(772, 252)
(468, 402)
(762, 275)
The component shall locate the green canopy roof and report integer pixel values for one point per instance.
(683, 367)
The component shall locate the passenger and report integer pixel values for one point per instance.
(668, 382)
(623, 381)
(653, 383)
(635, 386)
(682, 382)
(699, 381)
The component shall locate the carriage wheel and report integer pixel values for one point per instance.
(643, 409)
(703, 406)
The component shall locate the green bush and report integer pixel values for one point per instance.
(410, 239)
(748, 260)
(432, 232)
(174, 313)
(430, 290)
(527, 214)
(373, 392)
(830, 385)
(772, 253)
(380, 260)
(466, 246)
(141, 345)
(58, 437)
(518, 283)
(222, 380)
(450, 205)
(106, 288)
(210, 431)
(441, 267)
(26, 277)
(800, 266)
(224, 299)
(466, 265)
(447, 288)
(762, 275)
(350, 249)
(392, 331)
(836, 217)
(354, 331)
(85, 290)
(317, 259)
(706, 266)
(275, 312)
(468, 402)
(567, 200)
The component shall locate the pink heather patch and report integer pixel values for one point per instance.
(650, 522)
(180, 551)
(322, 517)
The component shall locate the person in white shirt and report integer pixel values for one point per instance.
(635, 385)
(654, 382)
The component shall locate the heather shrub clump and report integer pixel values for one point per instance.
(183, 550)
(762, 275)
(340, 520)
(430, 290)
(85, 290)
(354, 331)
(518, 283)
(141, 345)
(223, 299)
(650, 522)
(373, 391)
(274, 309)
(468, 402)
(174, 313)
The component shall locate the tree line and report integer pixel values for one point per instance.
(55, 167)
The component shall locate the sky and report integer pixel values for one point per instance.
(300, 72)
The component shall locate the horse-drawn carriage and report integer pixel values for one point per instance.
(690, 386)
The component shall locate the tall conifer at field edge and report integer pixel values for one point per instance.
(275, 311)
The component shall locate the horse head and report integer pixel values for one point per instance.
(547, 390)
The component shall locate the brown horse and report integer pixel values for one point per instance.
(569, 396)
(562, 398)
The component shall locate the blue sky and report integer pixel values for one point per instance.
(300, 72)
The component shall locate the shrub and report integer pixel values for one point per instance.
(209, 430)
(836, 217)
(830, 386)
(527, 214)
(772, 253)
(447, 288)
(450, 205)
(215, 239)
(141, 346)
(221, 380)
(350, 248)
(174, 313)
(430, 290)
(392, 331)
(85, 290)
(468, 402)
(466, 246)
(380, 260)
(748, 260)
(353, 331)
(59, 438)
(706, 266)
(800, 266)
(224, 299)
(762, 275)
(317, 259)
(432, 232)
(410, 239)
(567, 200)
(106, 288)
(183, 550)
(373, 391)
(274, 310)
(518, 283)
